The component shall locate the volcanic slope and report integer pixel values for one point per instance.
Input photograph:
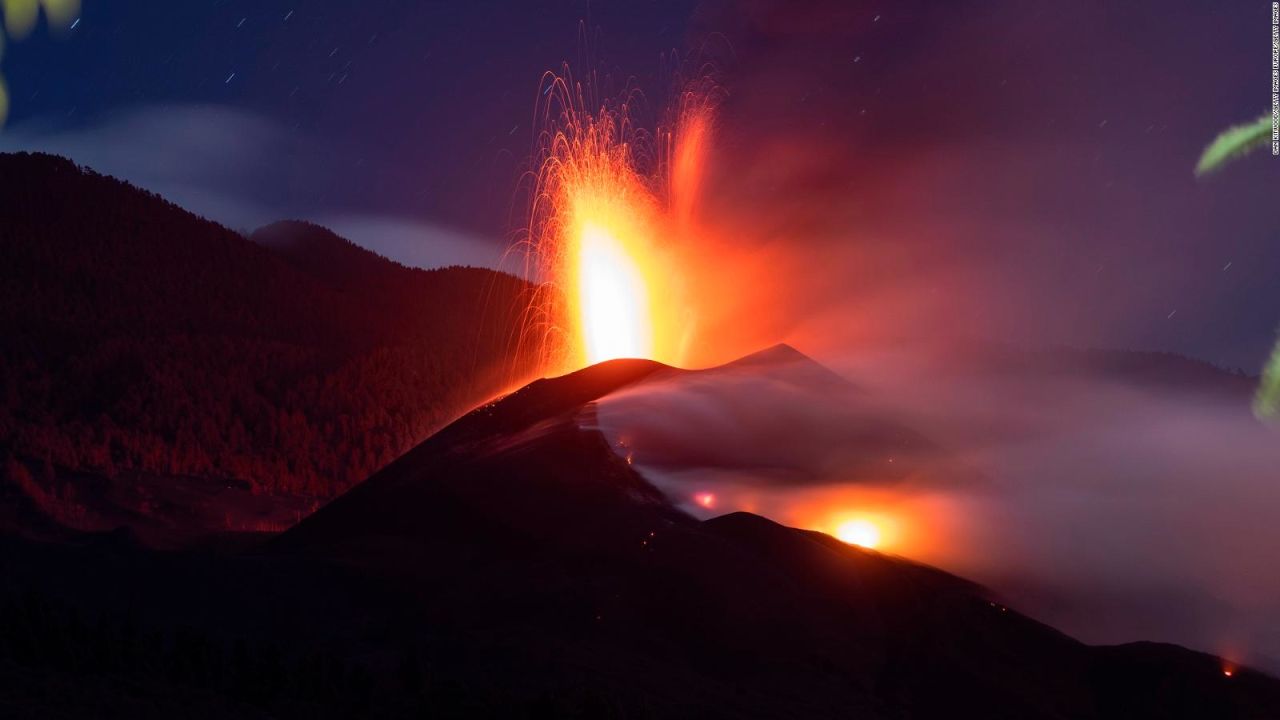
(531, 561)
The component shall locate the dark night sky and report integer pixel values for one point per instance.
(1028, 161)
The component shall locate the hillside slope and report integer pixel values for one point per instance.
(146, 348)
(534, 556)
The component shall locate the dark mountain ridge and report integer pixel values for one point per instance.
(149, 348)
(334, 260)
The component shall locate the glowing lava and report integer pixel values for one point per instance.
(612, 297)
(609, 200)
(862, 533)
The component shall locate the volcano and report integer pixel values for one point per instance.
(537, 564)
(520, 563)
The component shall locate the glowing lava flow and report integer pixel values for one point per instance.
(608, 202)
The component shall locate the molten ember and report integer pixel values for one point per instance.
(609, 202)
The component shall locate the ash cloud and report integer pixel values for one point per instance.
(1077, 488)
(896, 191)
(906, 171)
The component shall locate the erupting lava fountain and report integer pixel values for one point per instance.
(610, 201)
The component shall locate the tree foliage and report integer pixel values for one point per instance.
(141, 338)
(1234, 143)
(1230, 145)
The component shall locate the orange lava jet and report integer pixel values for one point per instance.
(610, 236)
(610, 200)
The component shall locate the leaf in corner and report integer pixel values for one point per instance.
(1266, 405)
(1233, 144)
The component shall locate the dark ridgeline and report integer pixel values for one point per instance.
(151, 357)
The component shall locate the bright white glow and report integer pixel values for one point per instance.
(612, 299)
(862, 533)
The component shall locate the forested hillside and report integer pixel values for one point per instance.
(141, 340)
